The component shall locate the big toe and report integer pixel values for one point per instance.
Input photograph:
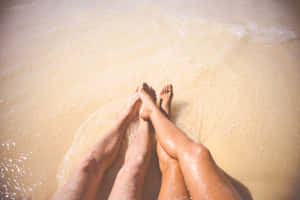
(167, 90)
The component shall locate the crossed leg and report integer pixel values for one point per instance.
(85, 180)
(202, 176)
(129, 182)
(172, 185)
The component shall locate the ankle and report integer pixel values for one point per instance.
(154, 111)
(147, 112)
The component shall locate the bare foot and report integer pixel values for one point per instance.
(132, 109)
(148, 97)
(165, 101)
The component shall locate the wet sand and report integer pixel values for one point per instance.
(66, 71)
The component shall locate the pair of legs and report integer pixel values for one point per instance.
(85, 180)
(182, 161)
(185, 165)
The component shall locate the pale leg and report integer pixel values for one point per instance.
(130, 179)
(87, 176)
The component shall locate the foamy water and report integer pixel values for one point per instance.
(66, 69)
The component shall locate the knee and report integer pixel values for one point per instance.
(198, 152)
(202, 152)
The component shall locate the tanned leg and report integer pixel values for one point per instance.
(172, 185)
(130, 179)
(87, 176)
(203, 178)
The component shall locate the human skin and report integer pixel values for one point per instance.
(202, 176)
(172, 184)
(129, 182)
(87, 176)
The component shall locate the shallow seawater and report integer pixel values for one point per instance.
(67, 69)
